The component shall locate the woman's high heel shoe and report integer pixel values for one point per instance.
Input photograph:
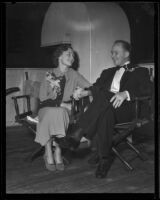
(50, 167)
(60, 166)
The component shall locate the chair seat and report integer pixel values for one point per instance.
(125, 125)
(32, 120)
(123, 130)
(23, 116)
(132, 124)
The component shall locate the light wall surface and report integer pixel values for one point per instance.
(91, 27)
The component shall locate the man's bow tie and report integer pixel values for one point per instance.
(123, 66)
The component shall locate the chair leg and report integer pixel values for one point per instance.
(122, 159)
(135, 150)
(29, 127)
(129, 138)
(35, 154)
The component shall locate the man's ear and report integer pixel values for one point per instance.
(126, 54)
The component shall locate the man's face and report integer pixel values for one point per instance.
(119, 54)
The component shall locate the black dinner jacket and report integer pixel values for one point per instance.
(136, 81)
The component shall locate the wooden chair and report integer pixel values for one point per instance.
(26, 119)
(124, 130)
(22, 118)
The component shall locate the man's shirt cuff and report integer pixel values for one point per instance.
(128, 96)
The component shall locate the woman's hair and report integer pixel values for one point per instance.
(58, 52)
(76, 62)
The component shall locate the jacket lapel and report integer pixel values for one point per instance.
(127, 74)
(124, 79)
(109, 81)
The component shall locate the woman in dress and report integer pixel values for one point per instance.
(56, 89)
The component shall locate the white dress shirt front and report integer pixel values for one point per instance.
(115, 86)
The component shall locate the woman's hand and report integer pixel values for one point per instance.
(66, 105)
(79, 93)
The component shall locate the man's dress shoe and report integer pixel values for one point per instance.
(103, 167)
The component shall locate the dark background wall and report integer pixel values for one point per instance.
(23, 33)
(141, 18)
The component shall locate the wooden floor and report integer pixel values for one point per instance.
(78, 177)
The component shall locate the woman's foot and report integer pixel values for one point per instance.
(49, 165)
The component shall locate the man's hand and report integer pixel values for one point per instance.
(118, 99)
(79, 93)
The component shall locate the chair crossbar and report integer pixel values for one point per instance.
(122, 159)
(21, 96)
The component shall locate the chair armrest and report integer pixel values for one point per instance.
(11, 90)
(143, 98)
(21, 96)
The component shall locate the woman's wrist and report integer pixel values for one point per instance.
(89, 93)
(86, 93)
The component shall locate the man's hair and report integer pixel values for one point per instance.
(58, 52)
(126, 45)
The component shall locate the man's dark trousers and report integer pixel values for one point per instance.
(100, 119)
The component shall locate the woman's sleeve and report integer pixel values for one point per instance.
(82, 82)
(46, 91)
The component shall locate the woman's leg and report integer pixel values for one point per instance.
(48, 152)
(48, 157)
(57, 153)
(58, 157)
(52, 122)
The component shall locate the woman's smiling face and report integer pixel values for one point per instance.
(67, 57)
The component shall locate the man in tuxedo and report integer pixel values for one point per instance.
(112, 94)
